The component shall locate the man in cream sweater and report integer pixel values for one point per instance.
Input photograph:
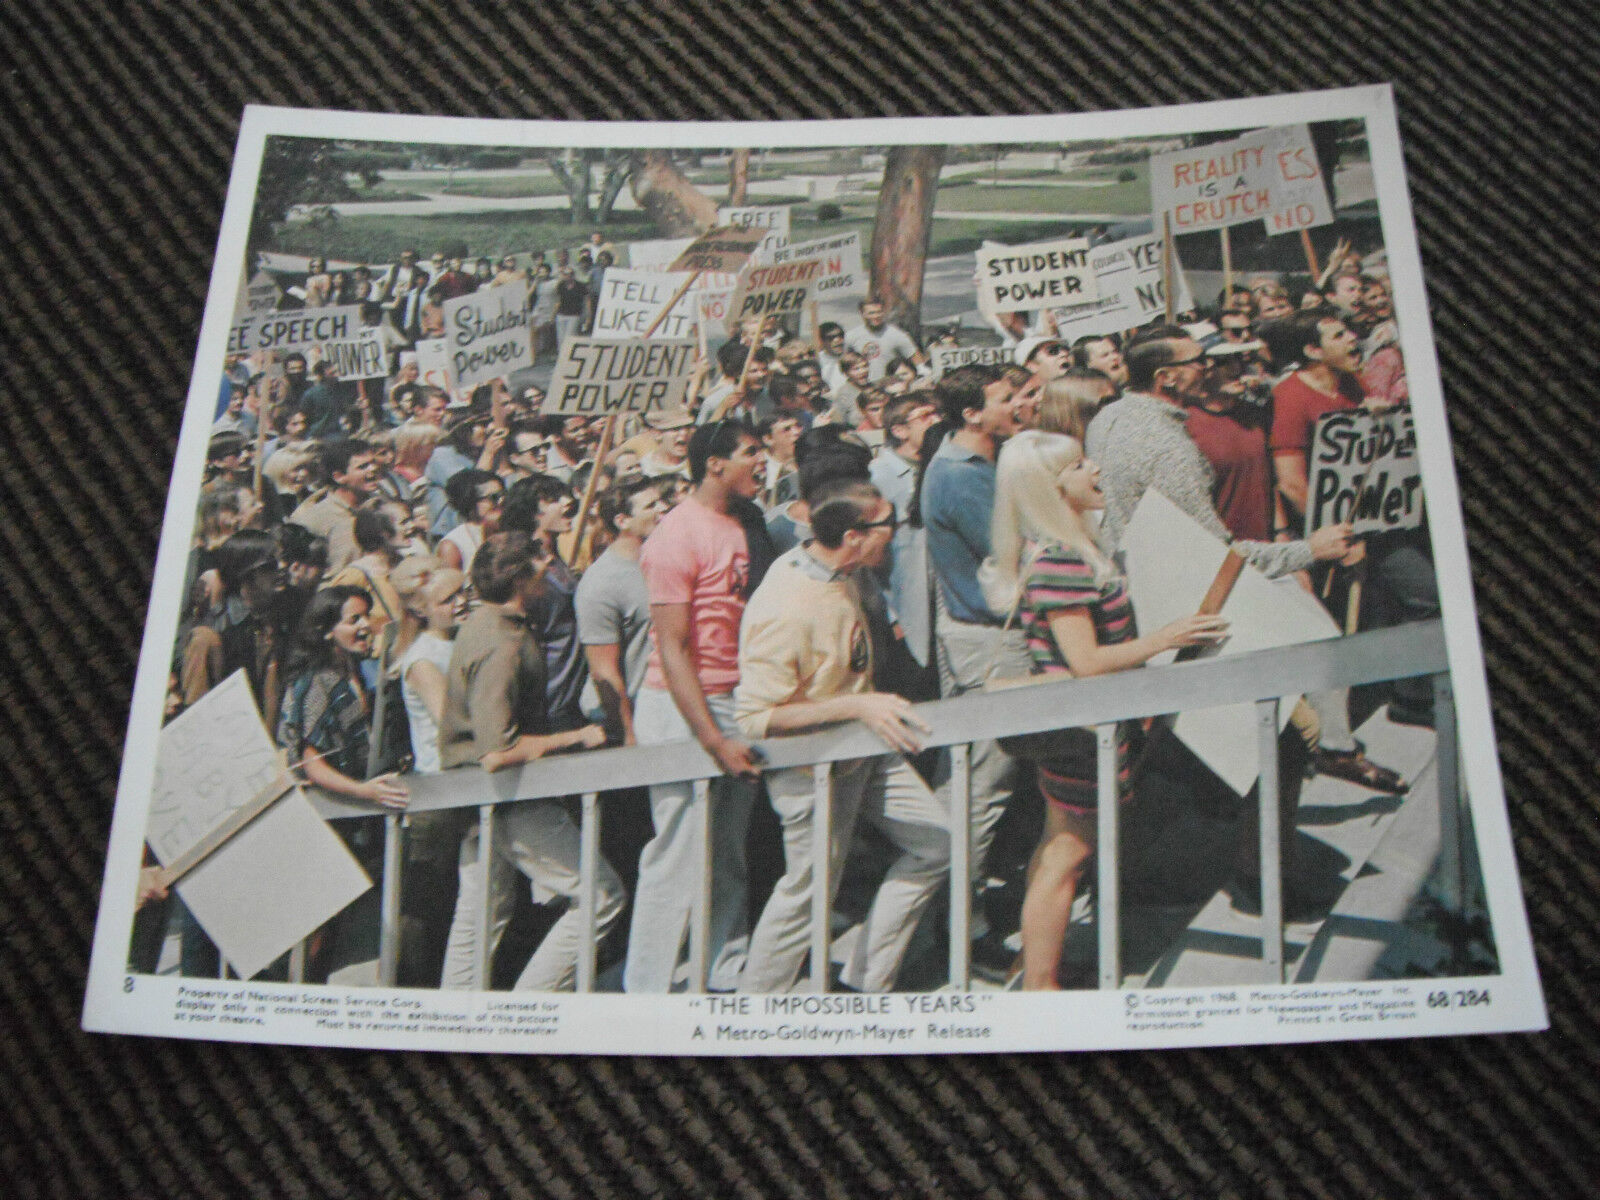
(805, 660)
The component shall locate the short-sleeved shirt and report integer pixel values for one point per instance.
(1296, 405)
(324, 714)
(1235, 444)
(494, 688)
(613, 604)
(1058, 580)
(957, 503)
(699, 557)
(880, 347)
(555, 622)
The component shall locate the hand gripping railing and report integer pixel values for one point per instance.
(1263, 677)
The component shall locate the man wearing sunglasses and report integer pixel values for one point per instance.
(805, 661)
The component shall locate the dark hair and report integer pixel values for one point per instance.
(1080, 348)
(963, 388)
(824, 439)
(242, 553)
(1281, 338)
(336, 455)
(783, 387)
(523, 500)
(373, 528)
(311, 649)
(898, 408)
(1149, 352)
(838, 506)
(617, 501)
(501, 562)
(898, 361)
(767, 424)
(461, 490)
(1307, 327)
(829, 329)
(298, 545)
(719, 439)
(847, 462)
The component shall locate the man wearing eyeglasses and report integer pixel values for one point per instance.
(1045, 358)
(1142, 441)
(805, 661)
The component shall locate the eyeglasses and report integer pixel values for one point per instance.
(1201, 360)
(495, 498)
(891, 523)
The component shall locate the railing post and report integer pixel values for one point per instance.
(480, 919)
(588, 869)
(821, 874)
(1108, 903)
(700, 910)
(1271, 849)
(389, 907)
(1452, 849)
(960, 867)
(297, 962)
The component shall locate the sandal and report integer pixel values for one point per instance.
(1353, 766)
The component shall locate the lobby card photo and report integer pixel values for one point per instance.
(936, 585)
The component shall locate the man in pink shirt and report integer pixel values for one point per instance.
(697, 567)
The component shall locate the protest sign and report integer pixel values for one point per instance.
(1270, 175)
(487, 333)
(773, 219)
(841, 257)
(293, 330)
(597, 376)
(657, 254)
(1037, 275)
(1171, 561)
(776, 289)
(1132, 291)
(433, 362)
(360, 357)
(1299, 191)
(284, 874)
(948, 358)
(714, 305)
(257, 294)
(631, 300)
(721, 249)
(1364, 470)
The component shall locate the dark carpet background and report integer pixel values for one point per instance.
(118, 128)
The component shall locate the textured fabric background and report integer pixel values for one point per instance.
(114, 155)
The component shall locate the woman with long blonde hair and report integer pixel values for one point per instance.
(1073, 608)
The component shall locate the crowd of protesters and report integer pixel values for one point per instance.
(826, 532)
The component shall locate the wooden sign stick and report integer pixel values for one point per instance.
(282, 783)
(609, 428)
(1227, 266)
(1216, 596)
(1311, 252)
(1168, 283)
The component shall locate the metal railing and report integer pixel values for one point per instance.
(1260, 677)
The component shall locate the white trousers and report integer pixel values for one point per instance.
(539, 839)
(669, 866)
(887, 792)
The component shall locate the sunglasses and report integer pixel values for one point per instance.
(891, 523)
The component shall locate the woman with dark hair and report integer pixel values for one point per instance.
(378, 538)
(479, 497)
(543, 507)
(325, 727)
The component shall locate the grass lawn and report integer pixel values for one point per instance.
(380, 239)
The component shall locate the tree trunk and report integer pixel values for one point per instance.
(618, 168)
(901, 231)
(573, 170)
(678, 208)
(738, 178)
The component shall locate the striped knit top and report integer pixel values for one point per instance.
(1060, 579)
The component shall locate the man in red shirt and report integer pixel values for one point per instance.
(1326, 381)
(697, 568)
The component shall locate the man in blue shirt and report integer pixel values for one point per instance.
(957, 499)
